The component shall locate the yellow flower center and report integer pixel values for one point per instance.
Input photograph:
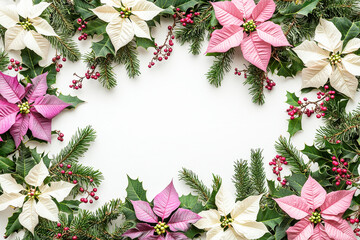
(160, 228)
(24, 107)
(335, 58)
(125, 12)
(315, 217)
(249, 26)
(26, 24)
(226, 222)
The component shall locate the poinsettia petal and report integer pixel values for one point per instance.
(14, 38)
(301, 230)
(10, 88)
(309, 51)
(28, 218)
(223, 39)
(250, 229)
(38, 88)
(144, 212)
(106, 13)
(166, 202)
(43, 27)
(175, 236)
(24, 8)
(145, 10)
(337, 202)
(37, 9)
(139, 230)
(181, 220)
(245, 6)
(19, 128)
(49, 106)
(11, 199)
(209, 219)
(128, 3)
(37, 175)
(343, 81)
(339, 230)
(120, 31)
(328, 36)
(141, 29)
(256, 51)
(8, 114)
(352, 45)
(40, 126)
(272, 33)
(37, 43)
(313, 193)
(316, 74)
(47, 208)
(224, 201)
(215, 233)
(231, 234)
(9, 185)
(263, 10)
(114, 3)
(8, 16)
(58, 190)
(351, 63)
(227, 13)
(319, 233)
(247, 209)
(295, 206)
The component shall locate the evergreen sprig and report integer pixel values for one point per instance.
(193, 181)
(257, 170)
(65, 46)
(221, 65)
(128, 56)
(4, 60)
(107, 75)
(61, 16)
(256, 78)
(242, 181)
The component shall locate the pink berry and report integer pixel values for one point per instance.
(59, 224)
(81, 189)
(75, 182)
(70, 172)
(95, 190)
(62, 172)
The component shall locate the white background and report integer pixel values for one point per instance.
(170, 117)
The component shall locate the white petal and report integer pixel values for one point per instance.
(352, 45)
(24, 8)
(121, 32)
(250, 229)
(216, 233)
(38, 9)
(146, 10)
(9, 185)
(47, 208)
(316, 74)
(130, 3)
(28, 217)
(343, 81)
(141, 29)
(43, 27)
(310, 51)
(106, 13)
(224, 201)
(328, 36)
(351, 63)
(114, 3)
(210, 219)
(37, 174)
(14, 38)
(37, 43)
(8, 16)
(11, 199)
(247, 209)
(58, 190)
(231, 234)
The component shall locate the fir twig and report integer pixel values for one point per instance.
(127, 55)
(241, 179)
(65, 45)
(221, 65)
(192, 180)
(255, 78)
(107, 75)
(61, 17)
(4, 61)
(257, 171)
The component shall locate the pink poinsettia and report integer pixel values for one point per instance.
(23, 108)
(166, 221)
(244, 24)
(320, 214)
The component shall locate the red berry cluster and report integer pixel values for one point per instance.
(277, 163)
(164, 51)
(311, 107)
(70, 173)
(90, 73)
(60, 135)
(56, 60)
(14, 64)
(340, 168)
(238, 72)
(82, 24)
(64, 233)
(270, 84)
(89, 194)
(354, 220)
(185, 18)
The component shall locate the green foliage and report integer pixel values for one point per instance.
(221, 65)
(192, 180)
(296, 182)
(13, 224)
(103, 47)
(256, 78)
(61, 16)
(348, 29)
(83, 7)
(294, 124)
(184, 5)
(257, 170)
(7, 146)
(65, 45)
(128, 56)
(74, 101)
(4, 60)
(270, 217)
(241, 179)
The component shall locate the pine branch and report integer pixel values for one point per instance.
(192, 180)
(61, 17)
(127, 55)
(221, 65)
(242, 181)
(256, 78)
(258, 175)
(216, 182)
(77, 146)
(4, 61)
(286, 149)
(107, 75)
(66, 46)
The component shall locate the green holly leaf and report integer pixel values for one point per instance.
(267, 236)
(320, 156)
(13, 224)
(278, 192)
(104, 47)
(83, 7)
(191, 202)
(292, 99)
(135, 190)
(193, 232)
(144, 42)
(68, 206)
(296, 181)
(6, 165)
(348, 29)
(300, 9)
(270, 217)
(184, 5)
(73, 100)
(294, 126)
(96, 26)
(7, 146)
(288, 63)
(25, 161)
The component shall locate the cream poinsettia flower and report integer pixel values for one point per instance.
(35, 199)
(326, 58)
(126, 18)
(233, 220)
(25, 28)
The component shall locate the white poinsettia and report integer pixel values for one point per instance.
(326, 57)
(35, 199)
(25, 28)
(233, 220)
(126, 18)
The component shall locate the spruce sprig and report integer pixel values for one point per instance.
(258, 175)
(4, 61)
(192, 180)
(255, 78)
(221, 65)
(65, 45)
(242, 180)
(61, 16)
(128, 56)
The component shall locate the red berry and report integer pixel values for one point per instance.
(92, 194)
(91, 180)
(62, 172)
(95, 190)
(59, 224)
(68, 166)
(61, 165)
(59, 235)
(12, 60)
(75, 182)
(96, 197)
(57, 69)
(81, 189)
(70, 172)
(74, 237)
(66, 229)
(64, 59)
(9, 67)
(61, 135)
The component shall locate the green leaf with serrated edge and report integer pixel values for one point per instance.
(144, 42)
(25, 161)
(348, 29)
(280, 230)
(135, 190)
(278, 192)
(267, 236)
(104, 47)
(13, 224)
(292, 99)
(294, 126)
(83, 7)
(6, 165)
(68, 206)
(191, 202)
(322, 178)
(270, 217)
(73, 100)
(296, 182)
(128, 210)
(300, 9)
(7, 146)
(96, 26)
(184, 5)
(320, 156)
(193, 232)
